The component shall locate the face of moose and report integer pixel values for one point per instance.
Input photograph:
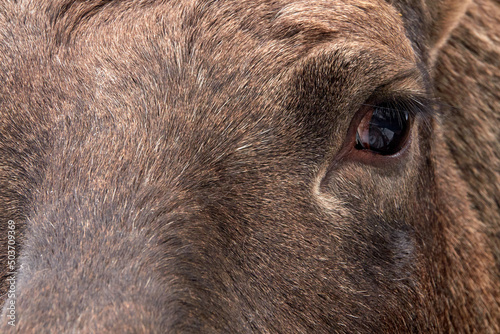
(224, 167)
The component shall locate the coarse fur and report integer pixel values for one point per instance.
(187, 166)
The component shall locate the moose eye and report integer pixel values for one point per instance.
(383, 129)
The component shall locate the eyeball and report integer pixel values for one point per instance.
(384, 129)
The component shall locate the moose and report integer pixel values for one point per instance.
(285, 166)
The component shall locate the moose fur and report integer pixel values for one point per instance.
(185, 166)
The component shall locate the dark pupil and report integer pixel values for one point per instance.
(387, 130)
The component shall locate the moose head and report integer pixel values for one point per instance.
(243, 166)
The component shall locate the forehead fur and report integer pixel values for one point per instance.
(191, 42)
(298, 22)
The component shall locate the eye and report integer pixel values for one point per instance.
(384, 129)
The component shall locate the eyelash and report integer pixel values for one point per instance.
(417, 106)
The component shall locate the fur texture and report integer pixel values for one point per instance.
(185, 166)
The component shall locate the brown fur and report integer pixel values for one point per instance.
(183, 166)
